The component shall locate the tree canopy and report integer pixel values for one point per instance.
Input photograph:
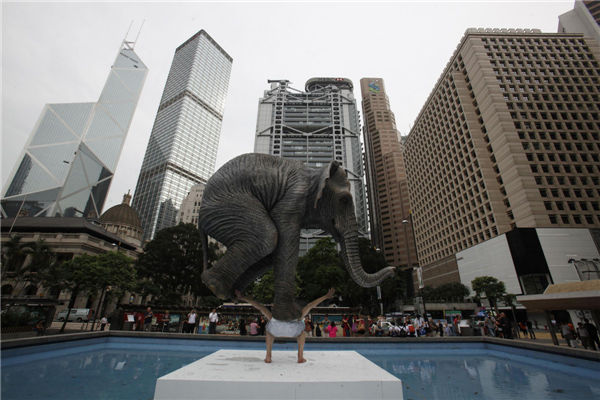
(489, 287)
(173, 261)
(452, 291)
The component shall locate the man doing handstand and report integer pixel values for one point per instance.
(277, 328)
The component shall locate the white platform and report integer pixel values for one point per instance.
(243, 374)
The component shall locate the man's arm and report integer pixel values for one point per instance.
(315, 303)
(256, 305)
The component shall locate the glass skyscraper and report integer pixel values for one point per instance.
(315, 126)
(69, 160)
(183, 144)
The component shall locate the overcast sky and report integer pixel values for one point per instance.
(62, 53)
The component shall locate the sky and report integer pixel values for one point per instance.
(62, 53)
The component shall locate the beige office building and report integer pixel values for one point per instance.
(508, 139)
(386, 178)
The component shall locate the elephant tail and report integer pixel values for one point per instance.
(204, 238)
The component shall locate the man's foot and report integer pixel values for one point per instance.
(268, 360)
(301, 360)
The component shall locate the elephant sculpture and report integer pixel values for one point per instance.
(256, 205)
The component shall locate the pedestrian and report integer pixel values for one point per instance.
(148, 319)
(353, 325)
(490, 324)
(360, 326)
(593, 332)
(530, 329)
(262, 325)
(253, 328)
(567, 334)
(505, 326)
(293, 328)
(448, 330)
(308, 326)
(213, 317)
(346, 326)
(103, 322)
(243, 331)
(332, 329)
(536, 324)
(166, 321)
(192, 321)
(441, 328)
(40, 328)
(584, 335)
(318, 332)
(523, 328)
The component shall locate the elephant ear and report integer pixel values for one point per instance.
(326, 173)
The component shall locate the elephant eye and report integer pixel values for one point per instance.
(344, 201)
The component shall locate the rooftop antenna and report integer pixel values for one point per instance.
(131, 45)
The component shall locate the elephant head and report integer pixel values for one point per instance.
(334, 211)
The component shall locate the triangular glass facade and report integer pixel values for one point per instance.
(67, 165)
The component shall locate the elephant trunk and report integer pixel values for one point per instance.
(350, 255)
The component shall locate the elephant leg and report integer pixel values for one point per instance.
(285, 260)
(249, 237)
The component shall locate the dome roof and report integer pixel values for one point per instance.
(122, 214)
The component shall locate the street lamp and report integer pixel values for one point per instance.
(418, 269)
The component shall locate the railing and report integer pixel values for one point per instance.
(17, 329)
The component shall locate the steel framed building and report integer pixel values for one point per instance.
(315, 126)
(182, 150)
(68, 163)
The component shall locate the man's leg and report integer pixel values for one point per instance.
(301, 340)
(270, 340)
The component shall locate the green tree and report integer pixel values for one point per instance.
(262, 290)
(92, 274)
(173, 261)
(12, 252)
(446, 292)
(41, 258)
(489, 287)
(320, 269)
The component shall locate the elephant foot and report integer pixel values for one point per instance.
(287, 312)
(216, 286)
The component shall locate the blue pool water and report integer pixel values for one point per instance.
(127, 368)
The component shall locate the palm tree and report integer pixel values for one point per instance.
(41, 258)
(11, 249)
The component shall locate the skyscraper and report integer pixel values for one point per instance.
(68, 163)
(183, 144)
(386, 178)
(316, 126)
(583, 18)
(507, 141)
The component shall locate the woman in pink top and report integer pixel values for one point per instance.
(254, 328)
(332, 329)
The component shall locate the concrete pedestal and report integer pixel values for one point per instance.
(243, 374)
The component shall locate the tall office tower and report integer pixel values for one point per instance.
(70, 157)
(315, 127)
(386, 178)
(583, 18)
(507, 143)
(189, 210)
(183, 144)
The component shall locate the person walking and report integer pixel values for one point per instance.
(346, 326)
(103, 322)
(360, 326)
(584, 335)
(308, 326)
(166, 319)
(566, 333)
(262, 325)
(40, 328)
(243, 331)
(192, 321)
(148, 319)
(490, 324)
(332, 329)
(530, 329)
(277, 328)
(213, 318)
(253, 328)
(593, 332)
